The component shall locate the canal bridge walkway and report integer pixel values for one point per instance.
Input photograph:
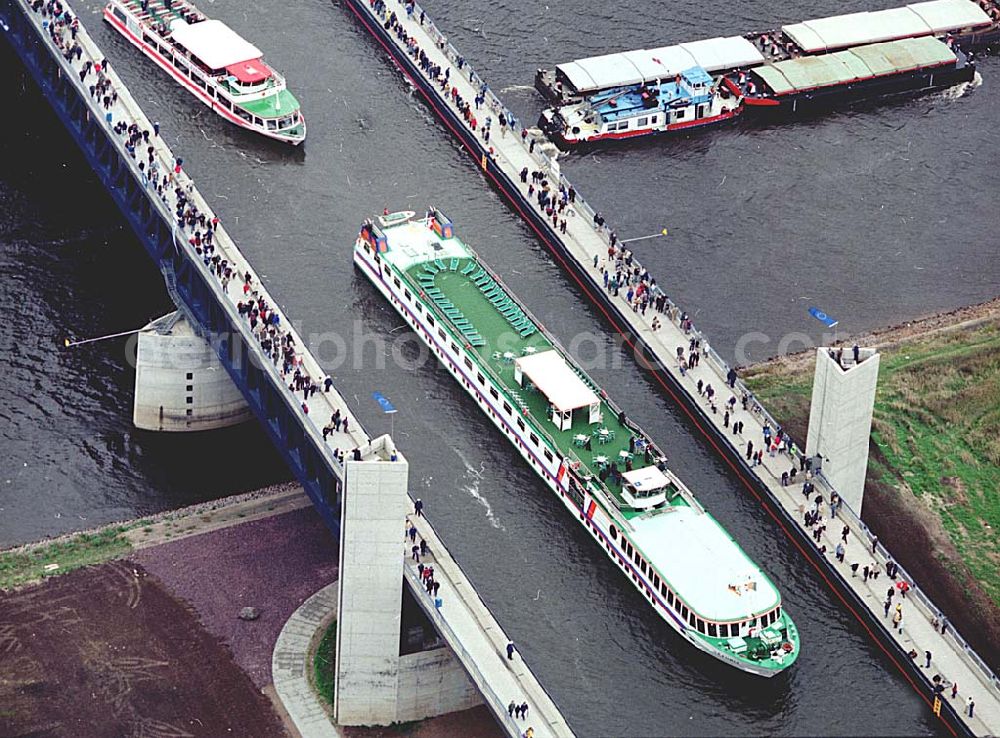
(582, 249)
(148, 182)
(461, 618)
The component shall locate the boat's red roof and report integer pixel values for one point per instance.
(250, 71)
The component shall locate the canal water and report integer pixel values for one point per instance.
(874, 215)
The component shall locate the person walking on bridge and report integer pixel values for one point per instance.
(510, 650)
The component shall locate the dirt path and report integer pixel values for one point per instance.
(205, 519)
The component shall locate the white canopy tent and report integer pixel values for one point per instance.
(214, 43)
(563, 388)
(554, 378)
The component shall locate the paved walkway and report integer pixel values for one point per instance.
(588, 244)
(318, 409)
(290, 664)
(480, 643)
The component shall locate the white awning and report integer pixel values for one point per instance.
(647, 479)
(717, 54)
(855, 29)
(554, 378)
(662, 63)
(947, 15)
(648, 65)
(214, 43)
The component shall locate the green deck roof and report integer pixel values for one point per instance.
(496, 342)
(266, 108)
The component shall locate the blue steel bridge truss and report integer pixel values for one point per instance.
(191, 286)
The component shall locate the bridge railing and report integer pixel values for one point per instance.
(499, 707)
(135, 114)
(719, 365)
(427, 531)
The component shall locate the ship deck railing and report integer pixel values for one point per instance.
(493, 296)
(718, 368)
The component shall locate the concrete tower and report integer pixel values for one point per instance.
(840, 419)
(180, 385)
(381, 679)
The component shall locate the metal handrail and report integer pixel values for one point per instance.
(674, 313)
(455, 644)
(452, 561)
(125, 100)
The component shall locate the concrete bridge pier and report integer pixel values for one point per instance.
(840, 418)
(380, 680)
(180, 384)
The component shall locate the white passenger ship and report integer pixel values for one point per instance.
(214, 63)
(602, 467)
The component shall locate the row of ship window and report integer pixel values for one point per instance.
(646, 120)
(713, 630)
(468, 364)
(624, 124)
(180, 62)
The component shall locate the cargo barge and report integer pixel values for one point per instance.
(968, 24)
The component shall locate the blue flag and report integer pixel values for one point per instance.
(387, 407)
(823, 317)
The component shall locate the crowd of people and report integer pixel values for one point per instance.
(623, 277)
(418, 551)
(619, 270)
(192, 227)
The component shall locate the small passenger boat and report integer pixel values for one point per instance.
(602, 467)
(213, 62)
(691, 100)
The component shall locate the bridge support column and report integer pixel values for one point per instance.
(376, 684)
(180, 384)
(840, 419)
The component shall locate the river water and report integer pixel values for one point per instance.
(875, 215)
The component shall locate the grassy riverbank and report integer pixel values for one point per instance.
(36, 561)
(935, 461)
(61, 556)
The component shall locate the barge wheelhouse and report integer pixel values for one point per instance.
(604, 469)
(691, 100)
(214, 63)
